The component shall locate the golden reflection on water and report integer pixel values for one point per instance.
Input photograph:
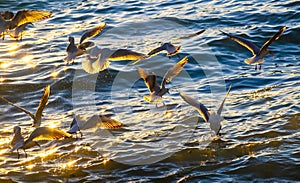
(69, 164)
(48, 152)
(30, 167)
(169, 114)
(54, 74)
(28, 60)
(1, 79)
(4, 65)
(13, 47)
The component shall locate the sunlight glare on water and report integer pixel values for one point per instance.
(260, 132)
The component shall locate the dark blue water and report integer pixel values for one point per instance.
(260, 133)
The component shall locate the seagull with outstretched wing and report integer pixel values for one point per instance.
(37, 116)
(74, 50)
(9, 21)
(103, 121)
(171, 48)
(214, 118)
(258, 53)
(40, 133)
(156, 91)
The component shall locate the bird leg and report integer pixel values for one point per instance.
(18, 153)
(37, 144)
(259, 66)
(25, 153)
(255, 68)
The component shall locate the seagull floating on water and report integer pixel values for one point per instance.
(40, 133)
(74, 50)
(169, 47)
(258, 53)
(214, 118)
(156, 91)
(9, 21)
(37, 117)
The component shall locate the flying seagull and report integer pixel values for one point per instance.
(258, 53)
(9, 21)
(74, 50)
(156, 91)
(40, 133)
(94, 121)
(214, 118)
(169, 47)
(98, 59)
(37, 117)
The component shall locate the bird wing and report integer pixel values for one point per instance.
(149, 78)
(18, 107)
(47, 133)
(18, 145)
(110, 123)
(85, 45)
(42, 104)
(100, 121)
(188, 36)
(92, 32)
(26, 16)
(199, 106)
(244, 42)
(222, 104)
(124, 54)
(74, 126)
(275, 37)
(174, 71)
(157, 50)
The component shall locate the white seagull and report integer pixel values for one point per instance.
(156, 91)
(258, 53)
(214, 118)
(40, 133)
(74, 50)
(37, 116)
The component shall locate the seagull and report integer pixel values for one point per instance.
(258, 53)
(98, 59)
(156, 91)
(9, 21)
(169, 47)
(40, 133)
(94, 121)
(74, 50)
(37, 117)
(214, 118)
(18, 32)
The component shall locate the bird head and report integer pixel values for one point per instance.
(71, 39)
(17, 129)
